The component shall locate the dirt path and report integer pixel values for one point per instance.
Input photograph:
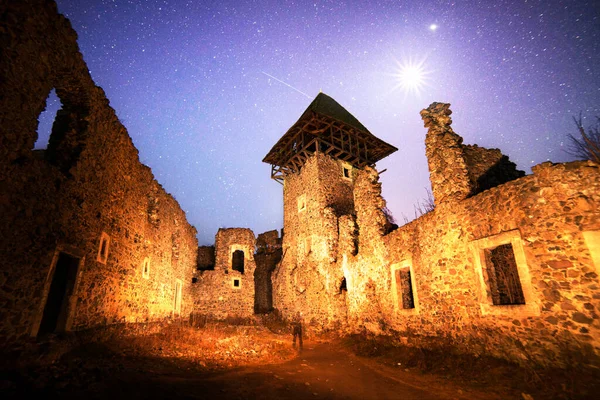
(321, 371)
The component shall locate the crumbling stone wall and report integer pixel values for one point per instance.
(458, 171)
(224, 292)
(88, 186)
(206, 258)
(549, 220)
(488, 168)
(548, 213)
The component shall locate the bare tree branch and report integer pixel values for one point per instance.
(585, 145)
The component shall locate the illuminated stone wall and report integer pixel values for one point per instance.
(545, 216)
(86, 191)
(224, 292)
(310, 275)
(549, 221)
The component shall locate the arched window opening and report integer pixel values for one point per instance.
(237, 261)
(46, 120)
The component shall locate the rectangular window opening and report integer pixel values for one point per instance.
(237, 261)
(503, 276)
(103, 248)
(404, 288)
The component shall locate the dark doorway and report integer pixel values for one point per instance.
(237, 261)
(56, 311)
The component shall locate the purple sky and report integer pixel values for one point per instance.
(198, 84)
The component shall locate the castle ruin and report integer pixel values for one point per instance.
(505, 264)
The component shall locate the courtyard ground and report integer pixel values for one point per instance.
(232, 361)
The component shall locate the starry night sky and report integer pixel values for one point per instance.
(206, 88)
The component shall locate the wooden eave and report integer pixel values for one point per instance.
(315, 132)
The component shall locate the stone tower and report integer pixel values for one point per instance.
(316, 161)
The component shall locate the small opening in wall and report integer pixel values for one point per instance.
(46, 120)
(343, 287)
(302, 203)
(236, 283)
(503, 276)
(404, 288)
(346, 172)
(237, 261)
(103, 248)
(177, 299)
(194, 280)
(146, 268)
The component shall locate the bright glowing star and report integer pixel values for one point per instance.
(433, 27)
(411, 76)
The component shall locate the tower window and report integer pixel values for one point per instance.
(236, 283)
(346, 171)
(237, 261)
(301, 203)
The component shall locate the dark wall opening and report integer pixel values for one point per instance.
(266, 262)
(503, 276)
(404, 287)
(46, 120)
(56, 310)
(343, 287)
(237, 261)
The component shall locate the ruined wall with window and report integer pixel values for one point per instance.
(88, 236)
(506, 272)
(511, 271)
(227, 291)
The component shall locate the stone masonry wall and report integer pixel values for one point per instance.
(458, 171)
(87, 185)
(550, 220)
(547, 214)
(216, 293)
(309, 275)
(488, 168)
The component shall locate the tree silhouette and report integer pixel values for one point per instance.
(585, 145)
